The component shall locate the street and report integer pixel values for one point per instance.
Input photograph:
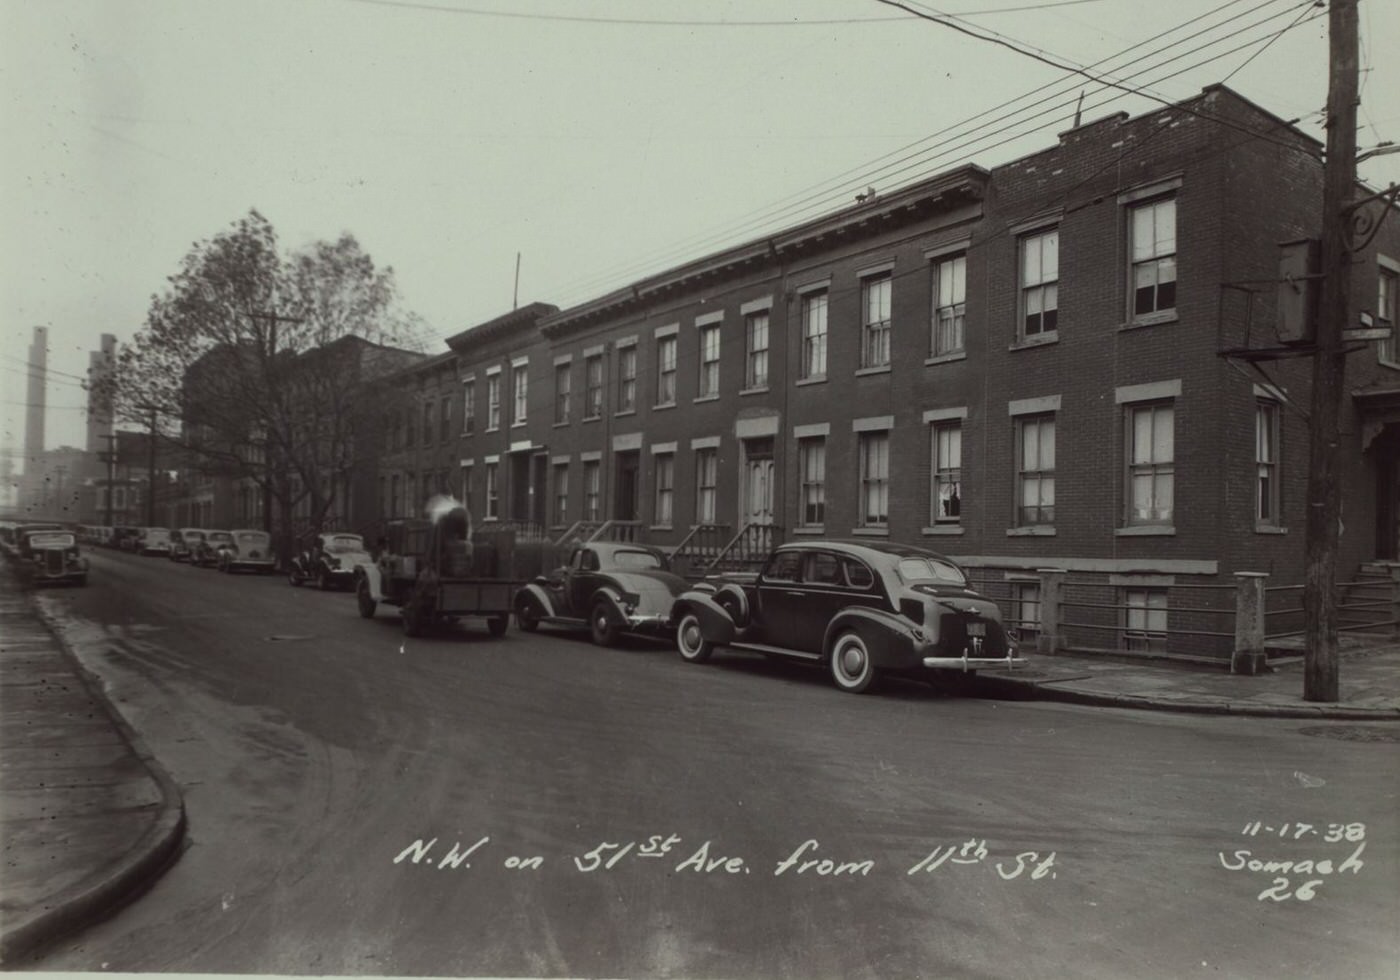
(360, 802)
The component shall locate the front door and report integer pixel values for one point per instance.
(629, 468)
(758, 481)
(1387, 451)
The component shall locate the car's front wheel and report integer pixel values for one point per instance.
(293, 576)
(527, 617)
(691, 642)
(605, 631)
(364, 599)
(850, 664)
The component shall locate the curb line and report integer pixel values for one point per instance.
(1015, 690)
(96, 897)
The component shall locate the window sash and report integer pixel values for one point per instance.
(665, 489)
(1040, 274)
(706, 470)
(874, 480)
(561, 493)
(709, 361)
(1386, 282)
(562, 393)
(519, 382)
(946, 492)
(592, 474)
(756, 369)
(627, 379)
(493, 497)
(666, 371)
(1035, 475)
(812, 460)
(1266, 453)
(875, 332)
(1025, 610)
(593, 387)
(1151, 464)
(469, 408)
(493, 402)
(949, 305)
(1145, 619)
(814, 311)
(1153, 248)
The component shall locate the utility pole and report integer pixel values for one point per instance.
(1320, 668)
(151, 471)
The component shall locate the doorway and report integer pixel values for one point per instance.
(756, 492)
(626, 502)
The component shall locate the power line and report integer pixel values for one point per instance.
(645, 22)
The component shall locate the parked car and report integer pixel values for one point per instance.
(206, 551)
(49, 556)
(607, 588)
(11, 533)
(125, 537)
(183, 542)
(330, 560)
(247, 549)
(859, 609)
(153, 541)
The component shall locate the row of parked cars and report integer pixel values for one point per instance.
(43, 553)
(242, 549)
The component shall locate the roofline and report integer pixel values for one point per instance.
(527, 315)
(967, 182)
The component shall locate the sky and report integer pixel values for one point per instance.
(600, 140)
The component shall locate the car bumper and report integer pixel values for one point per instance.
(258, 564)
(649, 623)
(966, 662)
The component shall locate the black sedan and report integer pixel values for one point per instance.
(608, 588)
(331, 561)
(858, 608)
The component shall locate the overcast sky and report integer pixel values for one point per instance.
(449, 135)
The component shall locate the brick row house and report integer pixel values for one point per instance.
(1019, 367)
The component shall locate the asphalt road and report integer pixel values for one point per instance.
(363, 803)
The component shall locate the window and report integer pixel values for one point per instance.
(811, 458)
(493, 402)
(627, 379)
(1025, 610)
(756, 350)
(562, 375)
(1386, 282)
(946, 495)
(394, 500)
(593, 386)
(874, 480)
(1040, 274)
(493, 491)
(875, 324)
(706, 477)
(409, 428)
(814, 335)
(784, 566)
(666, 371)
(427, 423)
(1266, 446)
(561, 493)
(1150, 463)
(445, 420)
(665, 464)
(1152, 229)
(519, 382)
(1035, 475)
(467, 486)
(410, 495)
(709, 361)
(592, 490)
(1145, 619)
(949, 305)
(468, 408)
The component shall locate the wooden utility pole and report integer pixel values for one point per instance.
(109, 456)
(1320, 668)
(151, 472)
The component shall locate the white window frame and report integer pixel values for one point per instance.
(468, 407)
(592, 489)
(1038, 278)
(563, 392)
(873, 486)
(1387, 286)
(948, 328)
(664, 477)
(561, 493)
(520, 393)
(1153, 468)
(811, 482)
(708, 341)
(876, 319)
(1268, 438)
(815, 313)
(1026, 617)
(1038, 472)
(493, 489)
(1155, 258)
(756, 340)
(945, 471)
(626, 379)
(593, 386)
(493, 401)
(1145, 612)
(666, 370)
(706, 484)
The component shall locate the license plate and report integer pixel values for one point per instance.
(976, 629)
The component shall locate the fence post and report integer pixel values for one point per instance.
(1248, 656)
(1048, 640)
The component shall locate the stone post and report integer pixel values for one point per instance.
(1248, 656)
(1050, 639)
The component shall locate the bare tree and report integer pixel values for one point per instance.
(255, 366)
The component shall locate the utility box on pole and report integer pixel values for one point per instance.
(1298, 276)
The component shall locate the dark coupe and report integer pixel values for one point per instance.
(858, 608)
(607, 588)
(330, 561)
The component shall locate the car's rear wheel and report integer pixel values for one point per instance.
(294, 576)
(364, 599)
(850, 664)
(691, 642)
(527, 617)
(605, 631)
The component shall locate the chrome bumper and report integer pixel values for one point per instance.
(965, 662)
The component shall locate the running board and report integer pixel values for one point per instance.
(780, 651)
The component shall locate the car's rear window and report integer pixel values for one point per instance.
(636, 559)
(252, 537)
(930, 570)
(345, 542)
(218, 536)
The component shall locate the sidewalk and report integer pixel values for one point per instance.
(87, 816)
(1370, 686)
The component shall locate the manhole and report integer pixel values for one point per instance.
(1355, 733)
(287, 637)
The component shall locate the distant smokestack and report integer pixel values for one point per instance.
(101, 363)
(34, 413)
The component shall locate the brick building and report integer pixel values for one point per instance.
(1018, 367)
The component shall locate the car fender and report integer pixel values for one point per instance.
(716, 624)
(886, 635)
(374, 579)
(537, 592)
(735, 601)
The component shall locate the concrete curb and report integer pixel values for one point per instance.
(1017, 690)
(99, 895)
